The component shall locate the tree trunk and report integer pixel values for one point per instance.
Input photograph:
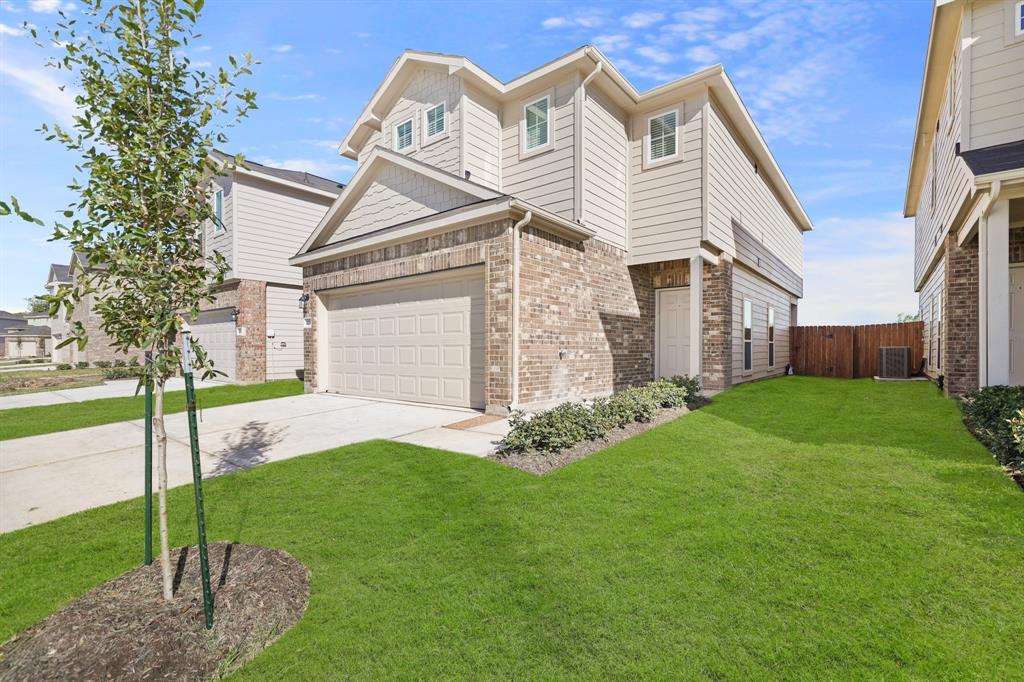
(161, 466)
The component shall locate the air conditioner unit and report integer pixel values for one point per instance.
(894, 362)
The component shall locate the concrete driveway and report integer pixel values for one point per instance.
(46, 477)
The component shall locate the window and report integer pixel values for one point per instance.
(1018, 19)
(403, 135)
(771, 337)
(938, 341)
(661, 136)
(748, 336)
(434, 122)
(218, 210)
(537, 120)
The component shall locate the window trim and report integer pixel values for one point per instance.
(771, 337)
(1018, 20)
(677, 155)
(425, 127)
(411, 120)
(525, 152)
(218, 211)
(747, 343)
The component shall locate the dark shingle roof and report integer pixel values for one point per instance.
(301, 177)
(11, 321)
(60, 272)
(1000, 157)
(25, 330)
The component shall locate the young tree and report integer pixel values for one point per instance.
(146, 124)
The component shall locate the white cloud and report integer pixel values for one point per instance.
(6, 30)
(50, 6)
(282, 48)
(201, 65)
(642, 19)
(703, 15)
(655, 54)
(584, 20)
(701, 54)
(327, 145)
(612, 43)
(202, 48)
(304, 97)
(38, 84)
(589, 20)
(328, 169)
(555, 22)
(654, 72)
(6, 5)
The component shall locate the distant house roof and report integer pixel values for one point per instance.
(300, 177)
(25, 330)
(11, 321)
(60, 273)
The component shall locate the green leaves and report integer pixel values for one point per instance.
(13, 207)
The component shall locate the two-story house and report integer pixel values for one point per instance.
(965, 191)
(558, 236)
(253, 330)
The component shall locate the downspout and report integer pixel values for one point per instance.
(994, 191)
(597, 70)
(517, 233)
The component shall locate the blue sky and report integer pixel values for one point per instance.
(833, 86)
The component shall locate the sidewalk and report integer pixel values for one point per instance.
(122, 388)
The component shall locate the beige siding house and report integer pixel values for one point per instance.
(965, 191)
(559, 236)
(253, 331)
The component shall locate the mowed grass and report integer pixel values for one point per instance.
(796, 528)
(33, 421)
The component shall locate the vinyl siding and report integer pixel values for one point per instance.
(482, 139)
(665, 200)
(931, 306)
(273, 222)
(762, 294)
(605, 170)
(996, 76)
(952, 181)
(737, 192)
(284, 316)
(545, 179)
(397, 195)
(223, 240)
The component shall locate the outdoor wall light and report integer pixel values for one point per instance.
(234, 314)
(302, 301)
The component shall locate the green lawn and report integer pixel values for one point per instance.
(33, 421)
(796, 528)
(28, 380)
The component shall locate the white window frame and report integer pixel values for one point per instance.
(425, 127)
(411, 120)
(771, 336)
(525, 152)
(1018, 19)
(675, 156)
(218, 220)
(747, 343)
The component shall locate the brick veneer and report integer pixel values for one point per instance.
(99, 345)
(960, 328)
(250, 297)
(717, 350)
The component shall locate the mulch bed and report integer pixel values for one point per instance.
(540, 463)
(124, 630)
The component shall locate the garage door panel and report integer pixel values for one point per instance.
(214, 330)
(421, 340)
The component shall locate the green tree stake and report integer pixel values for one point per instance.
(197, 477)
(149, 459)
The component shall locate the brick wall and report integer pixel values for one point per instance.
(250, 297)
(717, 351)
(960, 328)
(587, 319)
(98, 348)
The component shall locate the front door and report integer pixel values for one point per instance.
(673, 322)
(1016, 325)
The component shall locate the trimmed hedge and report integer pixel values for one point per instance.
(989, 413)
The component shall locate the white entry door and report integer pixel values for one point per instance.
(1016, 325)
(673, 323)
(419, 339)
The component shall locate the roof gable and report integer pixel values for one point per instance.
(390, 189)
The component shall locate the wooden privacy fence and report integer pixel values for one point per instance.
(851, 352)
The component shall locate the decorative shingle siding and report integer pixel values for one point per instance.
(960, 349)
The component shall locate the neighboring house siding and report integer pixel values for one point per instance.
(605, 169)
(481, 143)
(996, 76)
(932, 303)
(284, 316)
(762, 294)
(397, 195)
(952, 181)
(665, 200)
(545, 179)
(737, 192)
(223, 240)
(273, 222)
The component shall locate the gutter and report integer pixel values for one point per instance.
(517, 233)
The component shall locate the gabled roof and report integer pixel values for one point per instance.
(378, 158)
(301, 178)
(59, 273)
(587, 58)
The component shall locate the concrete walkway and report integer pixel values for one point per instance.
(53, 475)
(122, 388)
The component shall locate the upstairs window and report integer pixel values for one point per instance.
(537, 120)
(434, 122)
(661, 136)
(748, 336)
(218, 210)
(1018, 19)
(403, 135)
(771, 337)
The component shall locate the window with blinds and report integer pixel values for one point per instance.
(434, 122)
(403, 135)
(661, 130)
(537, 124)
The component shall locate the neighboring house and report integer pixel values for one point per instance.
(966, 192)
(253, 332)
(59, 275)
(557, 236)
(20, 339)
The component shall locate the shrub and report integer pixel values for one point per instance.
(102, 364)
(1017, 430)
(133, 361)
(40, 361)
(63, 365)
(634, 404)
(23, 361)
(691, 384)
(82, 365)
(120, 363)
(121, 373)
(552, 430)
(988, 414)
(668, 394)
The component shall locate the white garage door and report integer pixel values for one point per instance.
(421, 339)
(215, 331)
